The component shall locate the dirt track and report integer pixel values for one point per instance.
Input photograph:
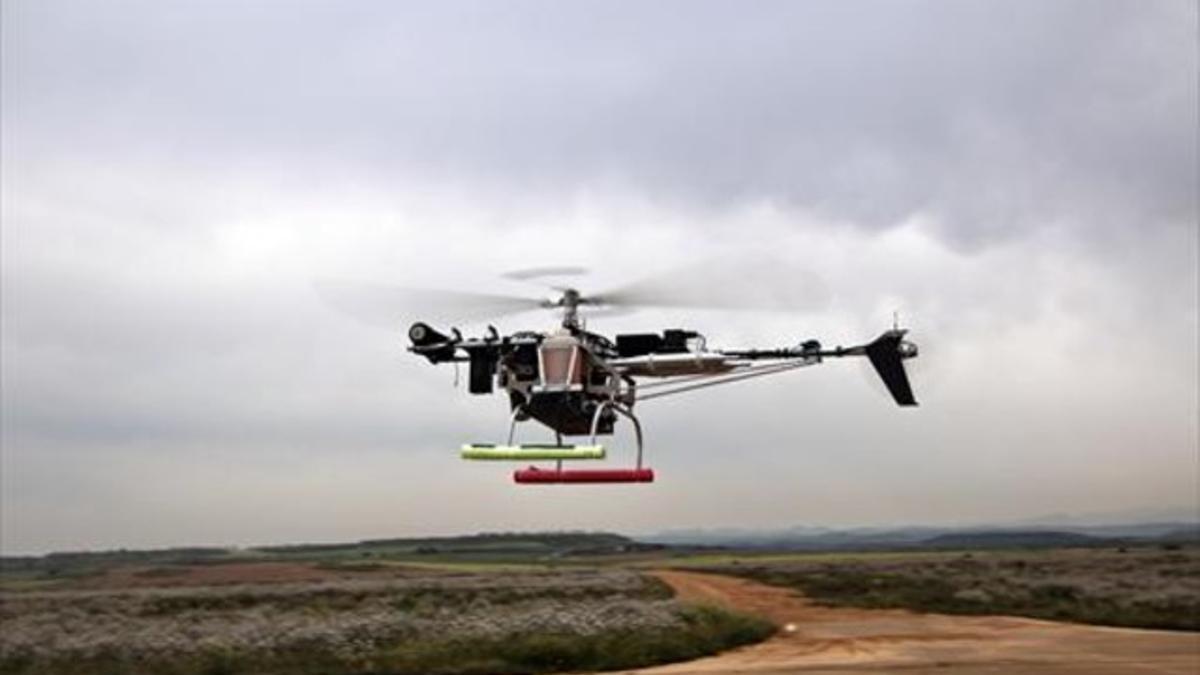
(851, 641)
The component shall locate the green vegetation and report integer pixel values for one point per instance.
(503, 550)
(524, 545)
(1144, 589)
(705, 630)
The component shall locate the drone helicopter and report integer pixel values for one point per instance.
(580, 383)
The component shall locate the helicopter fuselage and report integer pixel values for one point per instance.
(576, 382)
(570, 379)
(561, 379)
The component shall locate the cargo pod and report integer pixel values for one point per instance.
(536, 475)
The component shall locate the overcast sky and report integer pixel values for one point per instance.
(1018, 179)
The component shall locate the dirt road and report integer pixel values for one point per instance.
(853, 641)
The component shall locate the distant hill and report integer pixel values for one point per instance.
(1076, 522)
(1147, 530)
(798, 538)
(484, 546)
(520, 546)
(1185, 534)
(1010, 539)
(84, 559)
(902, 538)
(522, 543)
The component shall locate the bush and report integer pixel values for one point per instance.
(705, 630)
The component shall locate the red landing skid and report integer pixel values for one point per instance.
(536, 475)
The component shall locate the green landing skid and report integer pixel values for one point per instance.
(482, 451)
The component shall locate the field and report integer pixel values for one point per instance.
(297, 618)
(554, 603)
(817, 639)
(1146, 587)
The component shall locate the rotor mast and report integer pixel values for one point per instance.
(570, 302)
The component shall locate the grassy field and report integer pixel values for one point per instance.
(380, 618)
(1137, 587)
(503, 604)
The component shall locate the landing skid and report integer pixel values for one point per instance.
(479, 451)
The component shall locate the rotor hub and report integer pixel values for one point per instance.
(570, 302)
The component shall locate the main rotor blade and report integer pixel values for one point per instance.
(535, 272)
(392, 306)
(762, 285)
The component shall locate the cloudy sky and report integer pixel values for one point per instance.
(1017, 179)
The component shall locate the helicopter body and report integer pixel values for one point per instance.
(578, 382)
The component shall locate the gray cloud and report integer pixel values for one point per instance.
(995, 117)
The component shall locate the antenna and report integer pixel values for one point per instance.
(895, 319)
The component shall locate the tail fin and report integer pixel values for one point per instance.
(887, 354)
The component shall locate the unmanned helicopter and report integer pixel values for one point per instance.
(579, 383)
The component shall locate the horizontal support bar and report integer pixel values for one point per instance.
(531, 452)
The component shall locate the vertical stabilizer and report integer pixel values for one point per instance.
(887, 354)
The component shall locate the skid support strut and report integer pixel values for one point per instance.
(638, 474)
(637, 426)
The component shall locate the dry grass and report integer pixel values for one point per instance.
(1147, 588)
(446, 623)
